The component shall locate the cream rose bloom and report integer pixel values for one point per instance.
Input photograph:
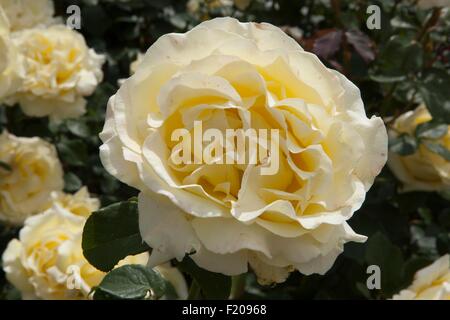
(60, 70)
(11, 68)
(80, 203)
(424, 170)
(244, 75)
(430, 283)
(47, 260)
(24, 14)
(34, 173)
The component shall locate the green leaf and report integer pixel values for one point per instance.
(109, 183)
(78, 128)
(444, 218)
(401, 55)
(213, 285)
(362, 288)
(426, 215)
(71, 182)
(11, 293)
(132, 282)
(387, 79)
(381, 252)
(403, 145)
(443, 243)
(95, 20)
(438, 149)
(5, 166)
(445, 194)
(111, 234)
(436, 94)
(73, 152)
(425, 243)
(431, 130)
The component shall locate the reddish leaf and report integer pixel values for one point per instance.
(326, 46)
(361, 43)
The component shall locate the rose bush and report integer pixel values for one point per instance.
(249, 76)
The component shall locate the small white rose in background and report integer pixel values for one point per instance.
(60, 70)
(424, 170)
(31, 172)
(11, 69)
(47, 262)
(430, 283)
(25, 14)
(233, 75)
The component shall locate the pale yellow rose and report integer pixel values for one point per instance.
(424, 170)
(11, 69)
(25, 14)
(80, 203)
(244, 75)
(47, 262)
(60, 70)
(34, 173)
(430, 283)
